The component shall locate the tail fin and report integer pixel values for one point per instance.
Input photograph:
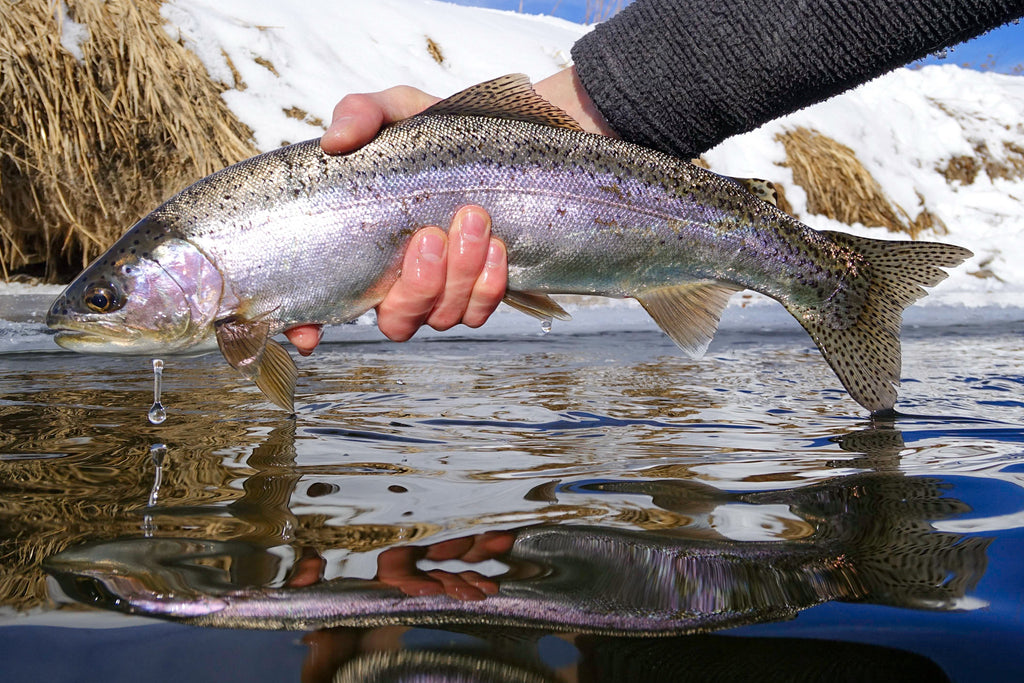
(861, 340)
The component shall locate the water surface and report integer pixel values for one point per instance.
(584, 506)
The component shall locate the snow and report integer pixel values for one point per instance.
(306, 57)
(72, 34)
(905, 127)
(286, 65)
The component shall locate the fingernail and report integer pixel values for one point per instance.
(495, 255)
(341, 123)
(474, 225)
(432, 247)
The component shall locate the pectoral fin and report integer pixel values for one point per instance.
(689, 313)
(247, 346)
(538, 305)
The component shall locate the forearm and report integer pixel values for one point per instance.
(682, 76)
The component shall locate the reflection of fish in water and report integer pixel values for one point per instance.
(295, 236)
(586, 579)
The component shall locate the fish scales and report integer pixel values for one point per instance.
(296, 236)
(548, 195)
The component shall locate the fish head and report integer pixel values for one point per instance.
(150, 293)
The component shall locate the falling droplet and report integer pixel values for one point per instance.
(157, 453)
(157, 414)
(545, 325)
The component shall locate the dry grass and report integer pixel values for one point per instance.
(839, 187)
(88, 146)
(434, 50)
(964, 169)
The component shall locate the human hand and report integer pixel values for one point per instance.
(447, 278)
(397, 566)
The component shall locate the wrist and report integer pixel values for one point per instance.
(565, 90)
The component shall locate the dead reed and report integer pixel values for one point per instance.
(837, 184)
(104, 115)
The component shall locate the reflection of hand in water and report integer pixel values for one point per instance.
(307, 570)
(330, 649)
(397, 566)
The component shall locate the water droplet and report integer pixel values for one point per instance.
(157, 413)
(157, 453)
(545, 325)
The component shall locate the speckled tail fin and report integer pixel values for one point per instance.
(861, 339)
(508, 97)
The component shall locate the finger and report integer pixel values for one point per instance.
(307, 570)
(490, 287)
(455, 586)
(305, 337)
(488, 545)
(482, 583)
(468, 246)
(449, 550)
(358, 117)
(413, 296)
(397, 567)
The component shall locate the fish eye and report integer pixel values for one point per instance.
(102, 299)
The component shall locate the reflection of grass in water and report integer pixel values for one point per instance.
(99, 486)
(503, 418)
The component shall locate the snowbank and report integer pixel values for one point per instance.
(286, 66)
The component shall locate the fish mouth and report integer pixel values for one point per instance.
(72, 339)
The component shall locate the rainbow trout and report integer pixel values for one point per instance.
(297, 236)
(566, 577)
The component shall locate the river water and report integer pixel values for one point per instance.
(507, 505)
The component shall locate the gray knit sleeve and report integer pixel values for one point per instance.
(683, 75)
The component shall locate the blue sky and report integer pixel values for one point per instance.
(1000, 50)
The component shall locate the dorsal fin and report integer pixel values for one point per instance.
(508, 97)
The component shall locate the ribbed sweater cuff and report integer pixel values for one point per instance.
(683, 76)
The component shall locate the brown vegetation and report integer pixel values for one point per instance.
(839, 187)
(434, 50)
(964, 169)
(89, 145)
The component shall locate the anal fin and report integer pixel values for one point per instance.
(689, 313)
(538, 305)
(247, 346)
